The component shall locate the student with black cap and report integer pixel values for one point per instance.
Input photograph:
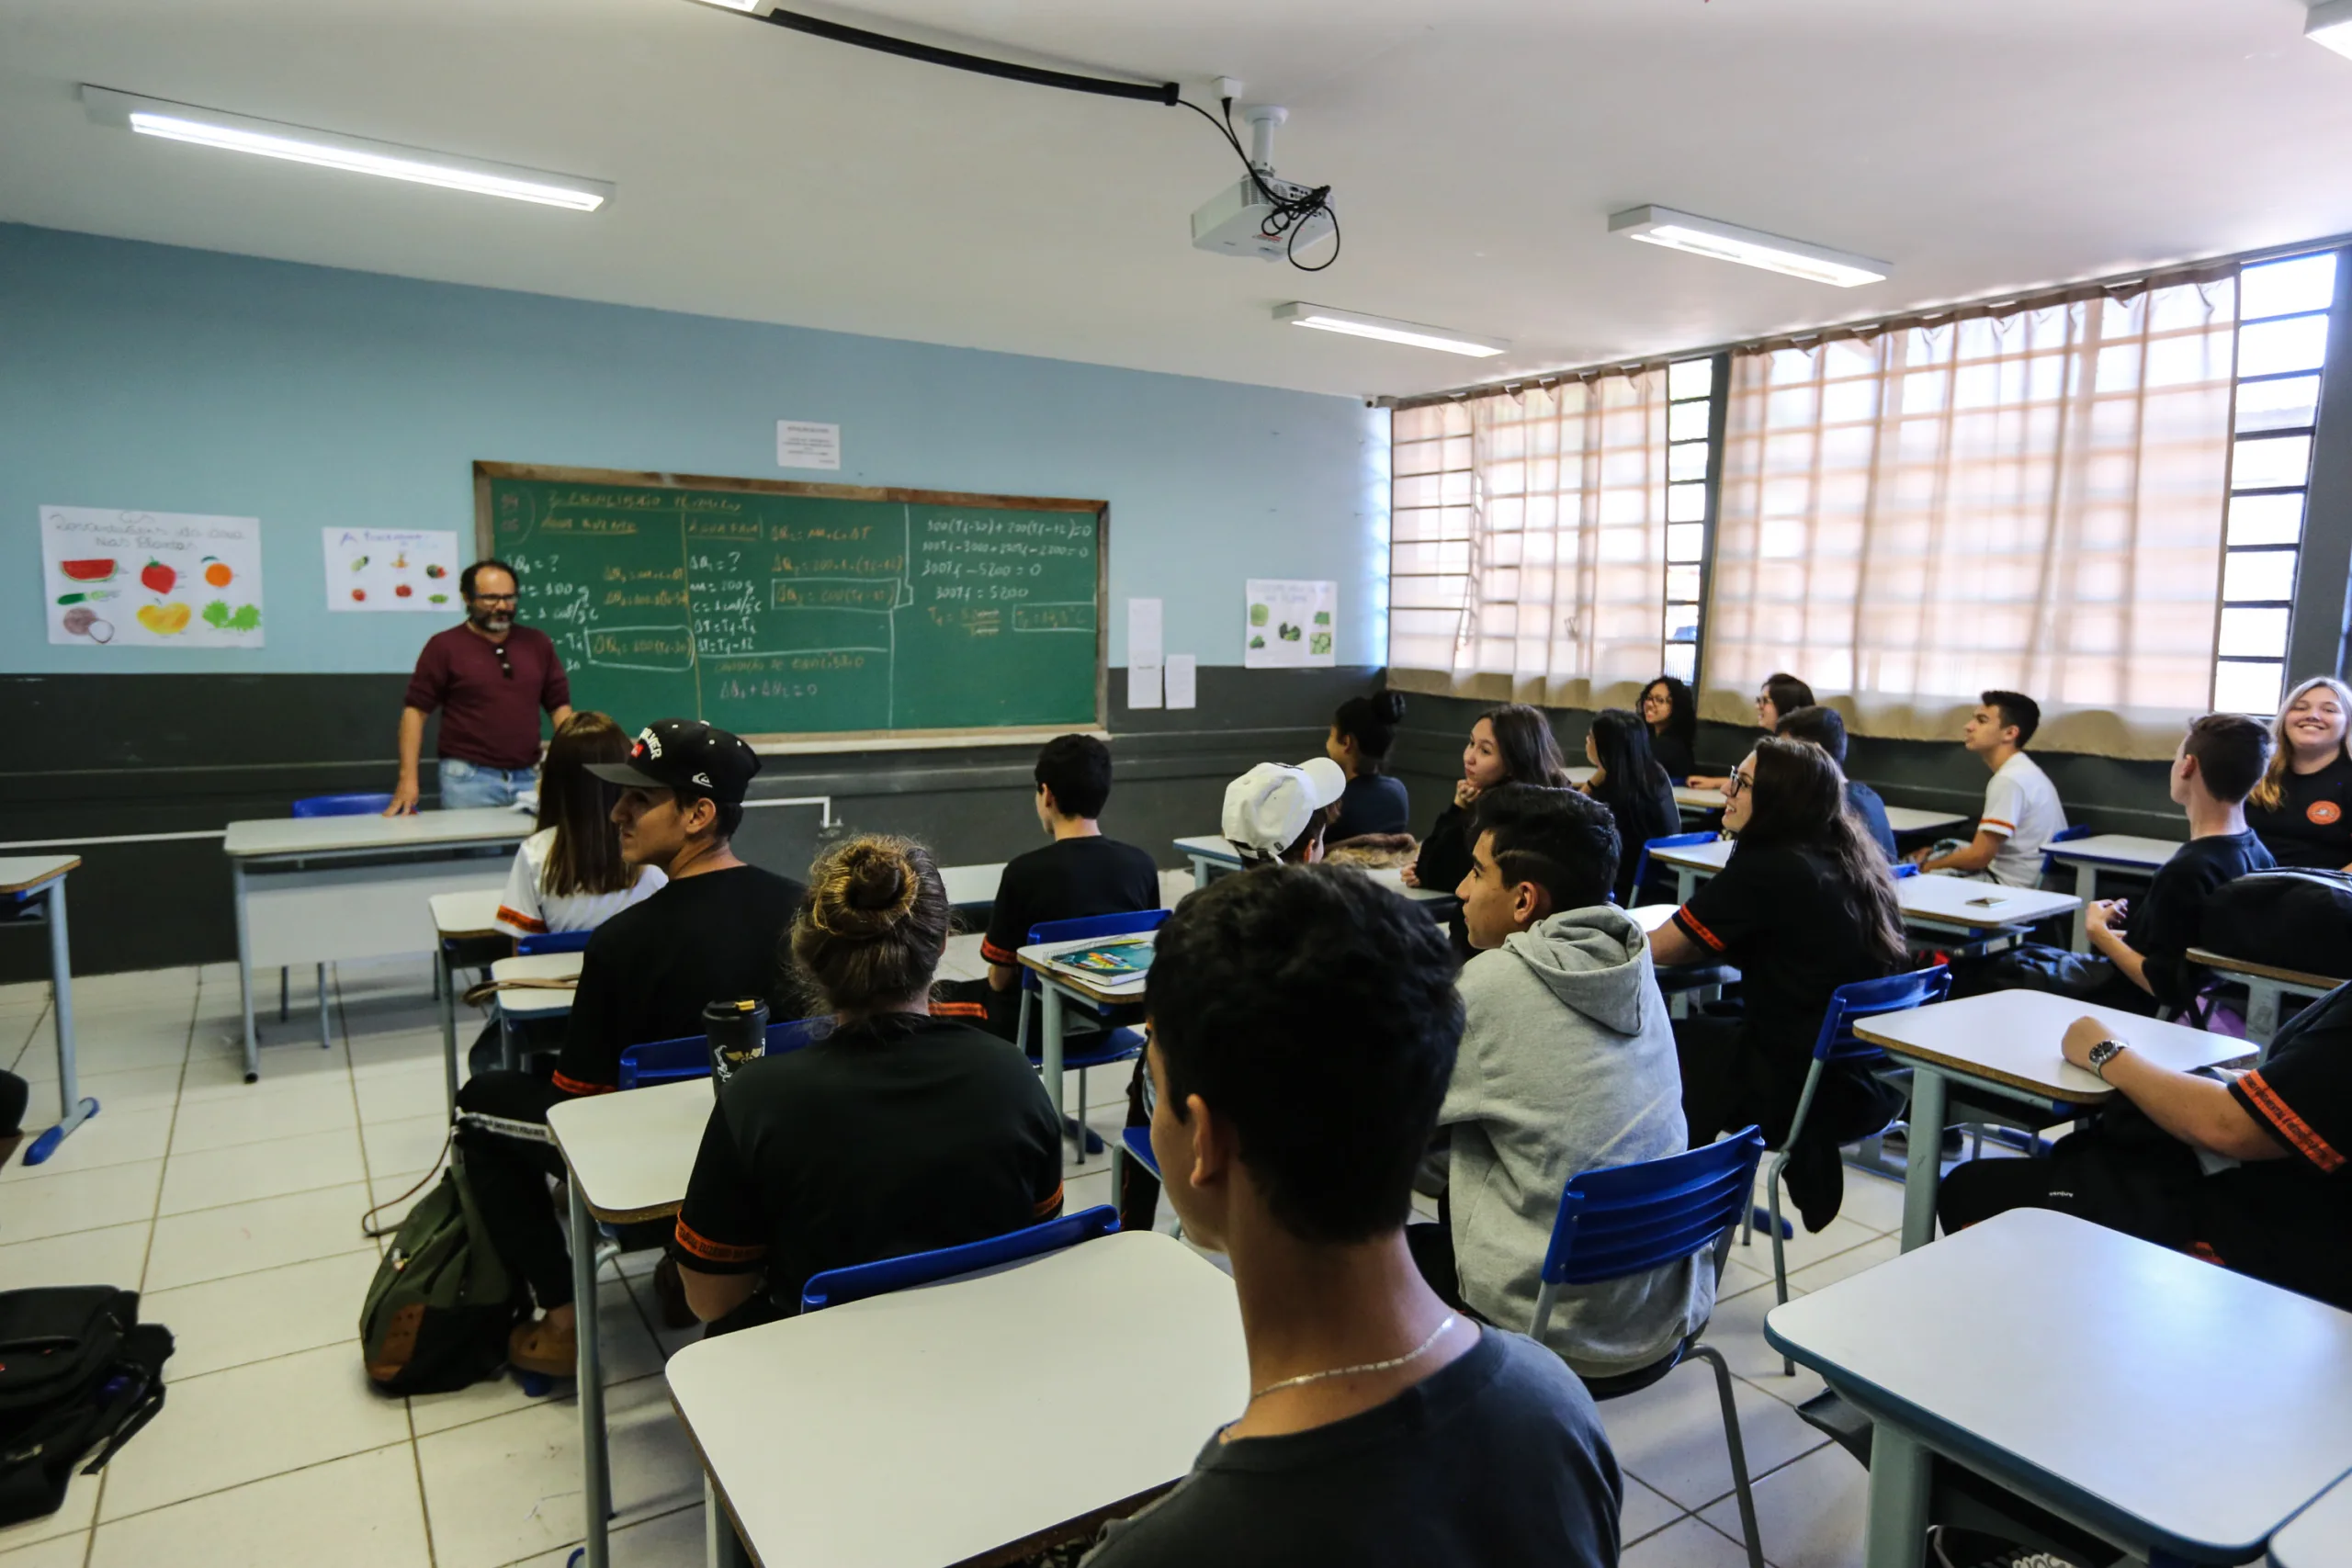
(713, 933)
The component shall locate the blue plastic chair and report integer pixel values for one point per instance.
(328, 806)
(839, 1287)
(2063, 835)
(1633, 1218)
(1668, 841)
(552, 941)
(1906, 868)
(1117, 1045)
(1836, 1042)
(673, 1061)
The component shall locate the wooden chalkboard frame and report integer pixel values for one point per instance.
(484, 545)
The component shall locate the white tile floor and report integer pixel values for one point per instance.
(235, 1208)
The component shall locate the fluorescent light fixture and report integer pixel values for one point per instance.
(1750, 247)
(1322, 318)
(2330, 23)
(755, 7)
(353, 154)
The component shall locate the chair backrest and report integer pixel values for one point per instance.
(1669, 841)
(1903, 868)
(838, 1287)
(670, 1061)
(1867, 998)
(551, 942)
(1633, 1218)
(2063, 835)
(341, 804)
(1125, 923)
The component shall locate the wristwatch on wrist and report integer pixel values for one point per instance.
(2103, 1052)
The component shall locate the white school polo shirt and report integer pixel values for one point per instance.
(2021, 806)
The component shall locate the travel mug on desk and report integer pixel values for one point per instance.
(738, 1031)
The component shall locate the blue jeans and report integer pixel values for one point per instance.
(465, 785)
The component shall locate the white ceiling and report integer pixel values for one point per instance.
(1474, 148)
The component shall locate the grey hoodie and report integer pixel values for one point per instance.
(1568, 1064)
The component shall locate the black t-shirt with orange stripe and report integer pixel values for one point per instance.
(900, 1135)
(1067, 880)
(2290, 1220)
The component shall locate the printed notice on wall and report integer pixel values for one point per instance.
(149, 579)
(801, 445)
(392, 570)
(1181, 676)
(1290, 625)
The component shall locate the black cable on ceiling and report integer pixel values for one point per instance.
(956, 60)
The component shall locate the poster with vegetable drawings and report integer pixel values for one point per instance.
(1288, 624)
(149, 579)
(392, 568)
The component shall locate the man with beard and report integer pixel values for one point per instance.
(490, 678)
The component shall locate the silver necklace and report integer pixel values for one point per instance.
(1393, 1362)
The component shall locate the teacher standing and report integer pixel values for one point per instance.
(491, 678)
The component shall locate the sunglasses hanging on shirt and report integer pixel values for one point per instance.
(505, 665)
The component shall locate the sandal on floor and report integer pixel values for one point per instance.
(539, 1347)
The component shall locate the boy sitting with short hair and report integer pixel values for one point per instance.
(2022, 809)
(1304, 1025)
(1566, 1064)
(1080, 873)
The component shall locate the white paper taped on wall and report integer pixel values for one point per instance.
(1289, 624)
(149, 579)
(803, 444)
(1179, 679)
(392, 570)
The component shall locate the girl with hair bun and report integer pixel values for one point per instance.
(896, 1133)
(1363, 733)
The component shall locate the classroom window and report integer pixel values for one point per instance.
(2281, 347)
(1547, 542)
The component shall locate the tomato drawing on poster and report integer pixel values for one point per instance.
(392, 570)
(149, 579)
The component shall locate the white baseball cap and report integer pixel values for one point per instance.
(1267, 808)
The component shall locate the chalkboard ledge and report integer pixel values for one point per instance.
(815, 745)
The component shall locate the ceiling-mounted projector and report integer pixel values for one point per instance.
(1260, 214)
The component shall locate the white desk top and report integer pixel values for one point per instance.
(1649, 917)
(1709, 857)
(2012, 1037)
(1977, 904)
(466, 914)
(1110, 993)
(1209, 846)
(2229, 965)
(802, 1423)
(538, 966)
(968, 885)
(2116, 849)
(1919, 819)
(633, 1152)
(321, 835)
(18, 872)
(2100, 1374)
(1691, 799)
(2319, 1536)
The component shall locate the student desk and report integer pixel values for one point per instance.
(32, 888)
(1692, 863)
(460, 921)
(1976, 910)
(2078, 1368)
(2265, 988)
(1917, 819)
(969, 884)
(2319, 1536)
(1211, 855)
(1056, 988)
(2006, 1044)
(2106, 852)
(1697, 801)
(808, 1428)
(316, 889)
(629, 1155)
(533, 1002)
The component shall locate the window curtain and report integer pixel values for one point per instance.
(2031, 501)
(1529, 554)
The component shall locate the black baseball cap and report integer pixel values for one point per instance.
(688, 755)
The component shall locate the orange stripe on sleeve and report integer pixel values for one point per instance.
(2297, 1133)
(702, 1246)
(959, 1010)
(996, 954)
(1048, 1203)
(571, 1085)
(1995, 825)
(531, 923)
(1690, 923)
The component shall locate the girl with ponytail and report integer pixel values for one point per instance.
(896, 1133)
(1363, 733)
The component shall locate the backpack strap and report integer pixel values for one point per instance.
(367, 1226)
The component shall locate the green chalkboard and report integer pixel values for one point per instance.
(789, 611)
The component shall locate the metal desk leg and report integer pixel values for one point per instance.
(1050, 1062)
(326, 1037)
(721, 1546)
(1897, 1532)
(1923, 1172)
(245, 971)
(1686, 882)
(2263, 1000)
(595, 1468)
(448, 979)
(1200, 872)
(2086, 889)
(72, 1109)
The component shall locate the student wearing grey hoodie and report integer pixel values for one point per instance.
(1566, 1064)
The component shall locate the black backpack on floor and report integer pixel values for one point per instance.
(2287, 919)
(79, 1375)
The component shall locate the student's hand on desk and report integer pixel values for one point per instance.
(1411, 875)
(404, 795)
(1919, 856)
(2081, 1035)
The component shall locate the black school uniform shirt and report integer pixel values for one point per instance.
(1496, 1458)
(898, 1134)
(650, 971)
(2161, 923)
(1373, 803)
(1673, 754)
(2312, 825)
(1067, 880)
(2290, 1220)
(1446, 852)
(1642, 812)
(1862, 803)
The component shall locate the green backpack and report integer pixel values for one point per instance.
(442, 1303)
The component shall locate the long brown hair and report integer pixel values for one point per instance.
(586, 856)
(2270, 791)
(1531, 752)
(872, 926)
(1798, 800)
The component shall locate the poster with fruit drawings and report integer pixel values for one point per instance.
(149, 579)
(392, 568)
(1289, 623)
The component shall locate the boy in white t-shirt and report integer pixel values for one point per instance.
(2022, 809)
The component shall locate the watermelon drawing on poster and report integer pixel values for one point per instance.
(149, 579)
